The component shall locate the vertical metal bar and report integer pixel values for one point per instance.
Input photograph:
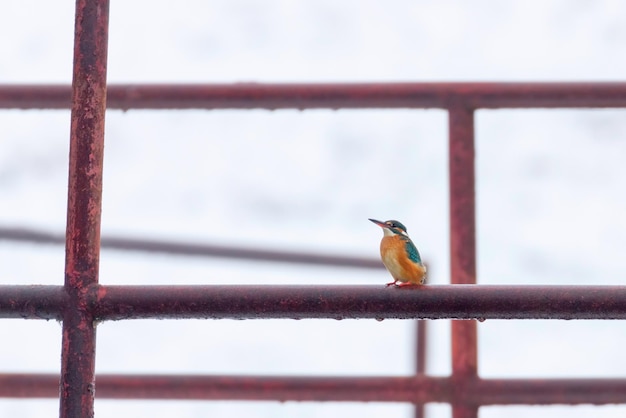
(462, 243)
(420, 359)
(77, 386)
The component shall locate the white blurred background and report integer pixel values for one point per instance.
(550, 185)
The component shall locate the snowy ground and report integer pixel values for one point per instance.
(550, 185)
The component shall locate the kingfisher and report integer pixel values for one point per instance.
(400, 255)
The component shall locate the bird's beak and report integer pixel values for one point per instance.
(379, 223)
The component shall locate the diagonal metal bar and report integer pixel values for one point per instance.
(328, 95)
(196, 250)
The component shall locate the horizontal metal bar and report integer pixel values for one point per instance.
(343, 302)
(32, 302)
(547, 391)
(196, 250)
(332, 302)
(328, 389)
(328, 96)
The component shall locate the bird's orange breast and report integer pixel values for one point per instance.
(395, 258)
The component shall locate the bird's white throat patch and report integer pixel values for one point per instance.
(389, 233)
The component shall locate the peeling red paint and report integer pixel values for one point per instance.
(84, 206)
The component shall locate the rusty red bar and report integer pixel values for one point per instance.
(263, 388)
(383, 389)
(328, 96)
(421, 347)
(198, 250)
(32, 302)
(346, 302)
(82, 254)
(421, 327)
(462, 244)
(331, 302)
(346, 389)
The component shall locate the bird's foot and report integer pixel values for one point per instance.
(398, 283)
(403, 284)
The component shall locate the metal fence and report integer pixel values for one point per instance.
(81, 302)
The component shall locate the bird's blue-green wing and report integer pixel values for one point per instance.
(412, 252)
